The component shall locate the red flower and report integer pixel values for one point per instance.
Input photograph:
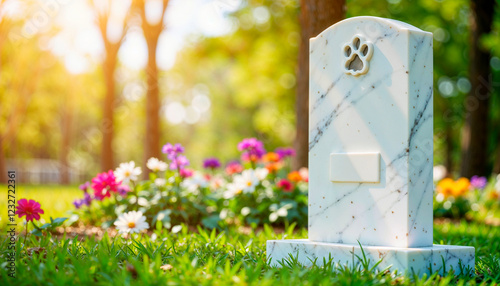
(285, 185)
(31, 209)
(105, 183)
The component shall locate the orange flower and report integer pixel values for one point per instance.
(271, 157)
(445, 186)
(494, 195)
(273, 167)
(449, 187)
(295, 177)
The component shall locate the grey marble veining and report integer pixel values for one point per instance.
(386, 110)
(423, 260)
(371, 150)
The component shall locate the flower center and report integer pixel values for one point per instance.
(131, 224)
(249, 183)
(127, 173)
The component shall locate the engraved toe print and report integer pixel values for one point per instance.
(358, 53)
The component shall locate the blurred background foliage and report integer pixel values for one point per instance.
(220, 89)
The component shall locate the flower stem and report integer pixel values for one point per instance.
(34, 225)
(26, 232)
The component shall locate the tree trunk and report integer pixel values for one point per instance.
(152, 136)
(107, 127)
(315, 16)
(66, 140)
(449, 147)
(496, 166)
(475, 131)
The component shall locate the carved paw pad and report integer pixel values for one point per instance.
(358, 53)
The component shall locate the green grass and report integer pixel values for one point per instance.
(229, 257)
(201, 257)
(55, 200)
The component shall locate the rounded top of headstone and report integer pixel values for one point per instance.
(378, 20)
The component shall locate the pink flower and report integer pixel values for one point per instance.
(186, 173)
(252, 149)
(233, 168)
(31, 209)
(179, 162)
(304, 173)
(105, 183)
(285, 185)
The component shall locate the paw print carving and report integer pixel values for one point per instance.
(358, 53)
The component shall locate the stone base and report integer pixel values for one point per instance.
(412, 260)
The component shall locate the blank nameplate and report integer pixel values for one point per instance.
(355, 167)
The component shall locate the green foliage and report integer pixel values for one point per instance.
(202, 257)
(214, 198)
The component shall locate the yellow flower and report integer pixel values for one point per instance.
(449, 187)
(461, 187)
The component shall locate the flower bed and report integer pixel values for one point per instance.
(259, 189)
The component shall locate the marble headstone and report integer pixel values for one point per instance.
(371, 150)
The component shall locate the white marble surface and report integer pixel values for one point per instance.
(355, 167)
(418, 260)
(378, 103)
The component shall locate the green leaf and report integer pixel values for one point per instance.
(211, 221)
(58, 221)
(47, 225)
(36, 232)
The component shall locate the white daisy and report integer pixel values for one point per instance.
(217, 182)
(127, 172)
(261, 173)
(160, 182)
(156, 165)
(131, 222)
(248, 180)
(232, 190)
(194, 183)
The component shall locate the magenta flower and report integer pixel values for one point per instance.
(31, 209)
(103, 184)
(285, 152)
(172, 151)
(285, 185)
(179, 162)
(211, 163)
(249, 144)
(252, 149)
(478, 182)
(185, 173)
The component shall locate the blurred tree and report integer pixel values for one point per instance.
(245, 87)
(315, 16)
(112, 44)
(152, 29)
(476, 130)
